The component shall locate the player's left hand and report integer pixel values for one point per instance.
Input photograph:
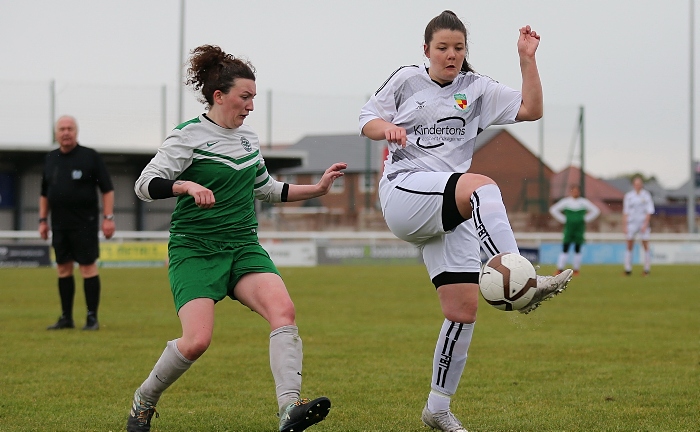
(528, 41)
(108, 228)
(330, 175)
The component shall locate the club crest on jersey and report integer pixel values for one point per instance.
(461, 102)
(76, 174)
(246, 144)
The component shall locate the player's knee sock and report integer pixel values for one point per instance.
(561, 262)
(285, 361)
(647, 260)
(577, 260)
(169, 367)
(91, 286)
(491, 221)
(628, 260)
(66, 290)
(448, 363)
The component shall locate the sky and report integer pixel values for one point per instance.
(115, 66)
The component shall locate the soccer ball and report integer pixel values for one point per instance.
(508, 281)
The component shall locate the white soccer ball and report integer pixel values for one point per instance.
(508, 281)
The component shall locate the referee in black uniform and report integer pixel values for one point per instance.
(72, 174)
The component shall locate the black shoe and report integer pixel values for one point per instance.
(304, 413)
(62, 323)
(91, 323)
(628, 273)
(140, 415)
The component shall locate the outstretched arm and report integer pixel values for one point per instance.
(532, 106)
(304, 192)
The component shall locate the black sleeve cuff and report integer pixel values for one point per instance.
(160, 188)
(285, 192)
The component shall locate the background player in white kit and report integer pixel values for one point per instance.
(637, 208)
(431, 116)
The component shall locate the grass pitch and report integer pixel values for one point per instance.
(612, 353)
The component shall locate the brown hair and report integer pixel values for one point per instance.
(448, 20)
(212, 69)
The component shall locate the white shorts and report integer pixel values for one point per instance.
(634, 229)
(412, 206)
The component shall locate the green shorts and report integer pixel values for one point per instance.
(574, 235)
(200, 268)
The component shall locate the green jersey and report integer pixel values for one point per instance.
(226, 161)
(574, 213)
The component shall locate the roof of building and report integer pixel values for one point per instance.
(486, 136)
(27, 155)
(658, 194)
(599, 192)
(322, 151)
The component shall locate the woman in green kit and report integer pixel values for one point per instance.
(213, 164)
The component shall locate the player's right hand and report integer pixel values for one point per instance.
(44, 231)
(395, 134)
(203, 197)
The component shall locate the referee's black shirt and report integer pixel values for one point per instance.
(69, 183)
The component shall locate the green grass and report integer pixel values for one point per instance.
(613, 353)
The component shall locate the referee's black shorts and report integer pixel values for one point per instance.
(81, 246)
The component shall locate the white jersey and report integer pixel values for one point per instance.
(637, 206)
(574, 209)
(441, 121)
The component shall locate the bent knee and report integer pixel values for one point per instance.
(466, 316)
(283, 314)
(193, 348)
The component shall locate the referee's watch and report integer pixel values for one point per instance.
(109, 217)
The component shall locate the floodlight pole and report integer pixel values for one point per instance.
(581, 125)
(691, 183)
(544, 196)
(52, 111)
(180, 64)
(269, 118)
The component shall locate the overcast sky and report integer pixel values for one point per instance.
(625, 61)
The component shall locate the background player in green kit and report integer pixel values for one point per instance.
(574, 212)
(212, 163)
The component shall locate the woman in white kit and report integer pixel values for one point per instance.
(637, 208)
(431, 117)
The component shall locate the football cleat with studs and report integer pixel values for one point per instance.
(141, 414)
(303, 413)
(548, 287)
(443, 420)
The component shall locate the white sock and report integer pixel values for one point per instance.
(561, 262)
(448, 362)
(647, 260)
(491, 221)
(628, 260)
(285, 361)
(577, 261)
(169, 367)
(438, 402)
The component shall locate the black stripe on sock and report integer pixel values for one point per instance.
(481, 231)
(447, 352)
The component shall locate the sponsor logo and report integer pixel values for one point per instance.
(445, 129)
(420, 105)
(209, 144)
(246, 144)
(76, 174)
